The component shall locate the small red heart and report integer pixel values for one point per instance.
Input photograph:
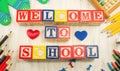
(33, 33)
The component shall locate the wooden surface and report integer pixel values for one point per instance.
(19, 37)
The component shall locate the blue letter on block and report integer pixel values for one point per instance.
(92, 51)
(52, 52)
(51, 32)
(48, 15)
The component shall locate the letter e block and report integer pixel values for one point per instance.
(98, 16)
(25, 52)
(51, 32)
(66, 52)
(60, 15)
(39, 52)
(52, 52)
(79, 51)
(35, 15)
(48, 15)
(64, 32)
(92, 51)
(73, 16)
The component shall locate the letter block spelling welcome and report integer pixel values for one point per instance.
(60, 16)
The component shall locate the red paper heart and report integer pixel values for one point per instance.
(33, 33)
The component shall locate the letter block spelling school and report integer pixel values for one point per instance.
(58, 52)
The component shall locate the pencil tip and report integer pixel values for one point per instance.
(10, 31)
(5, 45)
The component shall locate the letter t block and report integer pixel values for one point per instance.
(51, 31)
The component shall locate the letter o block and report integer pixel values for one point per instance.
(63, 32)
(25, 52)
(65, 52)
(79, 51)
(73, 16)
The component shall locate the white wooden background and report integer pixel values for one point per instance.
(19, 37)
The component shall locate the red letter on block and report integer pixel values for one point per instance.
(86, 16)
(98, 16)
(22, 16)
(73, 15)
(64, 32)
(25, 52)
(35, 15)
(65, 52)
(79, 51)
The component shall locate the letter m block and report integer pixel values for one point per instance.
(25, 52)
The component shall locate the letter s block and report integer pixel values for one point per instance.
(39, 52)
(92, 51)
(66, 52)
(51, 32)
(63, 32)
(79, 51)
(25, 52)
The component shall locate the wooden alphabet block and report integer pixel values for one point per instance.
(86, 16)
(22, 16)
(60, 16)
(92, 51)
(73, 16)
(63, 32)
(66, 52)
(51, 32)
(98, 15)
(25, 52)
(35, 15)
(79, 51)
(48, 15)
(39, 52)
(52, 52)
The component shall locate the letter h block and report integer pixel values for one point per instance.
(52, 52)
(51, 32)
(25, 52)
(92, 51)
